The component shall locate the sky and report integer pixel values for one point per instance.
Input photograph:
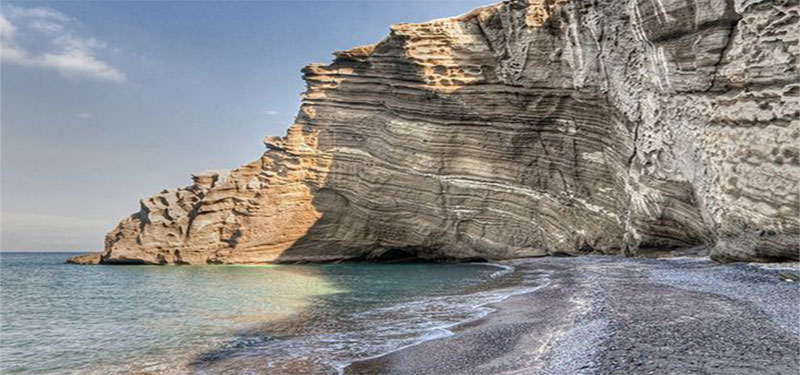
(104, 103)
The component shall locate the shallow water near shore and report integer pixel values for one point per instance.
(68, 319)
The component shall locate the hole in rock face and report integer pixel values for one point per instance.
(412, 255)
(405, 254)
(395, 256)
(586, 248)
(767, 233)
(558, 253)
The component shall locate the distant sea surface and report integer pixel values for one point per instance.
(58, 318)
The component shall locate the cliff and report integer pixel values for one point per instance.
(518, 129)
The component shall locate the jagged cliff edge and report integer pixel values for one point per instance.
(518, 129)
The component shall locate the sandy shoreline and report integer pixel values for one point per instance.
(613, 315)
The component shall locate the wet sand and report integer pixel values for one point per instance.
(614, 315)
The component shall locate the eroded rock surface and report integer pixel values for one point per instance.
(518, 129)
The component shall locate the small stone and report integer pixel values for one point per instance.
(88, 258)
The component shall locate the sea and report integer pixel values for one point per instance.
(58, 318)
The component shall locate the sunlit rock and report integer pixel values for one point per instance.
(518, 130)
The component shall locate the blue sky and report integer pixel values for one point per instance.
(104, 103)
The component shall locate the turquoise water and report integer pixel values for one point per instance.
(68, 319)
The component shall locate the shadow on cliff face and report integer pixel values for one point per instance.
(516, 130)
(482, 154)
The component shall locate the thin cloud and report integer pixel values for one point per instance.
(271, 113)
(38, 13)
(65, 51)
(85, 115)
(7, 30)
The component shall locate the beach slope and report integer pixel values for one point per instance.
(613, 315)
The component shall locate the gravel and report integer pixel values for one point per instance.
(615, 315)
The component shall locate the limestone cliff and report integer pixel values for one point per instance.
(518, 129)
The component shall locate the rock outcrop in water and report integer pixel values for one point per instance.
(518, 129)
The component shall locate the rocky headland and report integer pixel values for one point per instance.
(520, 129)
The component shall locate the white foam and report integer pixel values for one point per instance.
(505, 270)
(472, 306)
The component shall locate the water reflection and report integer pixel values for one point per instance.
(378, 310)
(66, 319)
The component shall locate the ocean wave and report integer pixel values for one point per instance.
(329, 347)
(504, 270)
(411, 323)
(434, 319)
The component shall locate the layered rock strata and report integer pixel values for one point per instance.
(518, 129)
